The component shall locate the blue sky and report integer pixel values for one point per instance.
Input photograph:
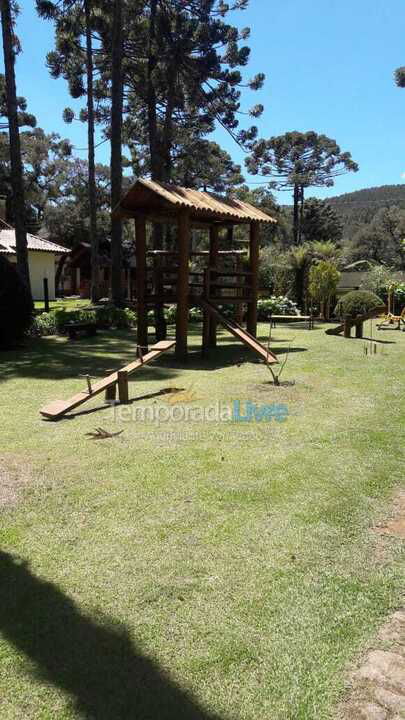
(329, 67)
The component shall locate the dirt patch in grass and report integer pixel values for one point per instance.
(378, 685)
(395, 526)
(14, 477)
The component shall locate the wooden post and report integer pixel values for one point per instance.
(123, 392)
(183, 284)
(213, 263)
(111, 394)
(142, 311)
(161, 330)
(254, 278)
(359, 329)
(239, 306)
(46, 295)
(206, 316)
(347, 326)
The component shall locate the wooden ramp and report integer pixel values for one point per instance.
(243, 335)
(58, 408)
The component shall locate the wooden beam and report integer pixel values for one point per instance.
(142, 311)
(254, 269)
(172, 219)
(184, 236)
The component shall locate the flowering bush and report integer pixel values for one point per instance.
(276, 305)
(194, 315)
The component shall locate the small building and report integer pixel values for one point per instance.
(42, 258)
(354, 280)
(75, 275)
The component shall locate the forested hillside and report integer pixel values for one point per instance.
(360, 207)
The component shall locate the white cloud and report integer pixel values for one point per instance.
(403, 176)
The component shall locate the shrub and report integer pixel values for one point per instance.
(280, 305)
(357, 302)
(170, 314)
(44, 324)
(323, 282)
(16, 308)
(195, 314)
(104, 317)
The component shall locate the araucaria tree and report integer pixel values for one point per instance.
(296, 161)
(10, 44)
(182, 77)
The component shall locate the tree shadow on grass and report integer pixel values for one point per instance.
(56, 358)
(96, 663)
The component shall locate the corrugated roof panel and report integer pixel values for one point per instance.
(202, 203)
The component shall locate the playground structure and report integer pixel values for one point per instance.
(391, 319)
(169, 280)
(357, 323)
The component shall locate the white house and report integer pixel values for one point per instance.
(42, 258)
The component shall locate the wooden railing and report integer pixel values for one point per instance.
(214, 284)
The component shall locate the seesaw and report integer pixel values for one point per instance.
(109, 384)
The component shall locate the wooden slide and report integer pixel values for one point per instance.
(58, 408)
(239, 332)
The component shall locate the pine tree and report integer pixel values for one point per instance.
(296, 161)
(182, 78)
(320, 222)
(17, 182)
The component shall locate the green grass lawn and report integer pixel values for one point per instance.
(67, 303)
(212, 570)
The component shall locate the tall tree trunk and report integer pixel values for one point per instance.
(91, 157)
(116, 152)
(154, 144)
(155, 149)
(296, 197)
(301, 214)
(17, 181)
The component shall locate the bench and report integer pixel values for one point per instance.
(293, 318)
(75, 328)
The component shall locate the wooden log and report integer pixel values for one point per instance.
(142, 311)
(123, 391)
(254, 269)
(206, 316)
(213, 262)
(184, 231)
(238, 308)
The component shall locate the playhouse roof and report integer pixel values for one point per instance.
(160, 201)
